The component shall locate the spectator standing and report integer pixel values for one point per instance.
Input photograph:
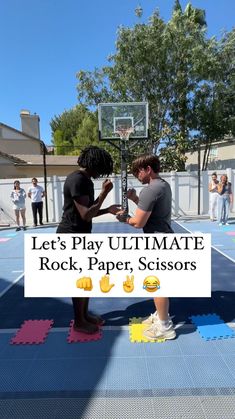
(18, 196)
(225, 199)
(36, 193)
(213, 190)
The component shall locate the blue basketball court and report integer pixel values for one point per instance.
(189, 377)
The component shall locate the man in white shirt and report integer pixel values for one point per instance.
(36, 193)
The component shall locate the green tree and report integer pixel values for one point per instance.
(187, 64)
(87, 132)
(62, 146)
(74, 129)
(187, 79)
(64, 128)
(215, 97)
(161, 63)
(177, 7)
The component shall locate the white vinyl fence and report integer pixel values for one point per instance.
(184, 187)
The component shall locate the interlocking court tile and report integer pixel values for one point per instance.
(32, 332)
(75, 336)
(212, 327)
(136, 329)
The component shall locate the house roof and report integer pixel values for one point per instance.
(37, 160)
(14, 159)
(20, 132)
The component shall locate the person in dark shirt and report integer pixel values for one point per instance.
(79, 209)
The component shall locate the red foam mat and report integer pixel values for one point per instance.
(75, 336)
(32, 332)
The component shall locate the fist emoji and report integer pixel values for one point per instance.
(128, 285)
(85, 282)
(105, 286)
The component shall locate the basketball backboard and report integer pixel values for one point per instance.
(123, 117)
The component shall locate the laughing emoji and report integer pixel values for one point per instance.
(151, 283)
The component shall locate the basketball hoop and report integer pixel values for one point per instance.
(119, 122)
(124, 133)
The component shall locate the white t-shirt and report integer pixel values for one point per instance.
(36, 193)
(18, 198)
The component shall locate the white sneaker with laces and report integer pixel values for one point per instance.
(154, 318)
(155, 332)
(151, 319)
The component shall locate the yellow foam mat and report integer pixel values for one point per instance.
(136, 329)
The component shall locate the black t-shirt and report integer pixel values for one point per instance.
(76, 185)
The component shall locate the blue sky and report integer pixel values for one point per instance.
(44, 43)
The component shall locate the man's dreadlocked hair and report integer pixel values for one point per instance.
(97, 160)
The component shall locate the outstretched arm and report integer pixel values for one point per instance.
(138, 220)
(112, 209)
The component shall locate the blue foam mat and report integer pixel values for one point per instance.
(211, 326)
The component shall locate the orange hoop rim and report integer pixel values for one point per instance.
(124, 133)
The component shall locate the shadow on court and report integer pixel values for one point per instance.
(116, 311)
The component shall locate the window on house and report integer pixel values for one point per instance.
(213, 153)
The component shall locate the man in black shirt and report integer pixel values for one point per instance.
(78, 211)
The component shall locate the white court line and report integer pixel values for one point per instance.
(11, 285)
(213, 247)
(224, 254)
(15, 272)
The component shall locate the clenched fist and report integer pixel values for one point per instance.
(84, 283)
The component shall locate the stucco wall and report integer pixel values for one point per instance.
(225, 158)
(15, 142)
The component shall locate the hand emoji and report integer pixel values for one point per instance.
(85, 282)
(105, 286)
(128, 285)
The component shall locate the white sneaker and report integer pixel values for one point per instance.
(220, 224)
(153, 318)
(154, 332)
(226, 224)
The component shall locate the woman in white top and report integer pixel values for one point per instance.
(18, 196)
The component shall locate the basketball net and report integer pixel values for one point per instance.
(124, 133)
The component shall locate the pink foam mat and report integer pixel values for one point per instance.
(75, 336)
(32, 332)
